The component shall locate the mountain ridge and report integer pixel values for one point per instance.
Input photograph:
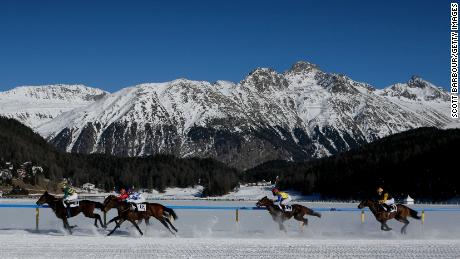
(35, 105)
(296, 115)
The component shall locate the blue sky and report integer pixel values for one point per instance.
(113, 44)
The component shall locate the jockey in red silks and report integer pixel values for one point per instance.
(123, 195)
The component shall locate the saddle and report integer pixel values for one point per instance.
(286, 208)
(393, 208)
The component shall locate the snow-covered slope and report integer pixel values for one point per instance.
(35, 105)
(295, 115)
(422, 98)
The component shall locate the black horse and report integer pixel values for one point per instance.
(382, 216)
(85, 206)
(298, 212)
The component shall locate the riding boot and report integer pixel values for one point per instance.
(68, 209)
(387, 207)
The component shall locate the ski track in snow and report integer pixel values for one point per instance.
(37, 246)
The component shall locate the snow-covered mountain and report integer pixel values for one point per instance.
(296, 115)
(35, 105)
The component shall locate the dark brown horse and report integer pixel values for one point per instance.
(383, 216)
(298, 212)
(158, 211)
(85, 206)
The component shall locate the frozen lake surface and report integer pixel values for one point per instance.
(215, 234)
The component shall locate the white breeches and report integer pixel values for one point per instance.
(286, 201)
(390, 201)
(141, 200)
(72, 197)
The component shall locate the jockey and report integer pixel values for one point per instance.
(135, 197)
(385, 199)
(70, 195)
(283, 198)
(123, 195)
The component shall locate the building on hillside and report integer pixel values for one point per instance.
(89, 187)
(37, 170)
(5, 175)
(408, 200)
(21, 173)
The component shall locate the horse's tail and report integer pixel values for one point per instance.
(99, 205)
(313, 213)
(413, 213)
(170, 213)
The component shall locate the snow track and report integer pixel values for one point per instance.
(214, 234)
(39, 246)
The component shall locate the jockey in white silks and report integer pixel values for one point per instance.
(135, 197)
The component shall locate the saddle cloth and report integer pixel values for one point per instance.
(287, 208)
(72, 204)
(393, 207)
(139, 206)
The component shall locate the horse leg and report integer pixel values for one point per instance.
(114, 219)
(169, 222)
(100, 220)
(166, 225)
(383, 226)
(387, 227)
(301, 219)
(405, 221)
(94, 216)
(282, 227)
(66, 225)
(135, 224)
(117, 225)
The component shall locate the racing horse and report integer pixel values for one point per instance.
(401, 214)
(85, 206)
(158, 211)
(298, 212)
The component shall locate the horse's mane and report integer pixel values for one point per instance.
(51, 196)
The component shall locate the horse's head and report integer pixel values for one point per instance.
(265, 201)
(364, 203)
(45, 198)
(110, 202)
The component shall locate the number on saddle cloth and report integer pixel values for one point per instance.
(141, 207)
(287, 208)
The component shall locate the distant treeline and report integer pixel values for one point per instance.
(422, 163)
(19, 144)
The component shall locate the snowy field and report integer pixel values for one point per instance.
(215, 234)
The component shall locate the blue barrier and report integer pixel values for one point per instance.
(23, 206)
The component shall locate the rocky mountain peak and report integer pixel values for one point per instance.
(416, 89)
(301, 67)
(417, 82)
(265, 79)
